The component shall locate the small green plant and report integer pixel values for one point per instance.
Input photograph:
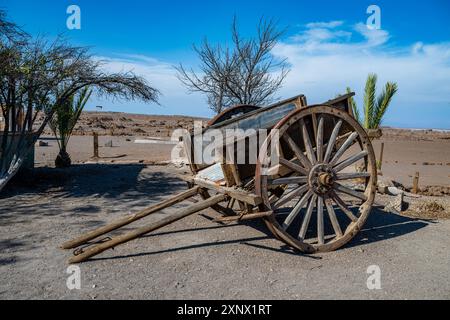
(64, 121)
(374, 107)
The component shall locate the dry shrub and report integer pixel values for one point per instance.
(431, 206)
(428, 210)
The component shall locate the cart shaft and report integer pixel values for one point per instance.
(129, 219)
(94, 250)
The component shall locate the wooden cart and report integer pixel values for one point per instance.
(313, 182)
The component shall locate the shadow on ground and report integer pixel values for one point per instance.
(82, 180)
(126, 187)
(380, 226)
(84, 190)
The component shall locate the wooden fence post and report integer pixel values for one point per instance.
(95, 134)
(380, 159)
(416, 183)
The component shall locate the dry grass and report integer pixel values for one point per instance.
(429, 209)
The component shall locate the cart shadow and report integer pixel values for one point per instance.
(188, 247)
(380, 226)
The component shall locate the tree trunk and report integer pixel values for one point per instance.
(63, 159)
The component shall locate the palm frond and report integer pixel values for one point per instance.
(78, 107)
(383, 101)
(66, 116)
(369, 99)
(355, 109)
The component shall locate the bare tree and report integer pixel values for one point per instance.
(9, 30)
(37, 76)
(246, 73)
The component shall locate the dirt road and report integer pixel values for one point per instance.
(196, 258)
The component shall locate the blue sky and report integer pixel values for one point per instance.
(327, 45)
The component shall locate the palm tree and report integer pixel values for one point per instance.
(374, 107)
(63, 122)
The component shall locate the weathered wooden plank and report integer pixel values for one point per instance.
(293, 166)
(298, 153)
(235, 193)
(276, 110)
(349, 191)
(249, 216)
(307, 218)
(288, 180)
(344, 164)
(320, 226)
(297, 209)
(335, 223)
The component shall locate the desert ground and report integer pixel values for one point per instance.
(196, 258)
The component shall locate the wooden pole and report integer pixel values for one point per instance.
(416, 183)
(95, 134)
(94, 250)
(380, 159)
(249, 216)
(129, 219)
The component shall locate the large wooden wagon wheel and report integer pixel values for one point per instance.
(326, 161)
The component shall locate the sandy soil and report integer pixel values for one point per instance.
(406, 151)
(196, 258)
(124, 149)
(402, 158)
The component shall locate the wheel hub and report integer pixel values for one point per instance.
(321, 178)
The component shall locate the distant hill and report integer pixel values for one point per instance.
(128, 124)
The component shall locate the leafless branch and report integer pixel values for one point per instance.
(247, 73)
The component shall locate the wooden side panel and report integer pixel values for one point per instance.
(342, 103)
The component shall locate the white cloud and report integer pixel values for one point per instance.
(161, 75)
(325, 59)
(324, 64)
(330, 24)
(320, 35)
(373, 37)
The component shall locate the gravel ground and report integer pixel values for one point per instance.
(196, 258)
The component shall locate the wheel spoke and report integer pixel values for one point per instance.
(351, 160)
(320, 232)
(343, 207)
(319, 142)
(307, 142)
(296, 210)
(298, 153)
(288, 197)
(288, 180)
(351, 192)
(307, 218)
(293, 166)
(354, 175)
(332, 141)
(344, 147)
(333, 218)
(230, 204)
